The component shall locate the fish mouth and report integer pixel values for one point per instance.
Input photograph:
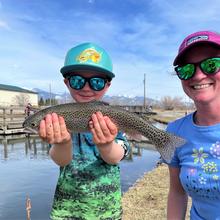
(30, 130)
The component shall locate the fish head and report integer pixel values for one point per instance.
(32, 122)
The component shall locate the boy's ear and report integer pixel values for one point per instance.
(108, 83)
(66, 81)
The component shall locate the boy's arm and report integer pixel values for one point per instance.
(111, 153)
(104, 133)
(53, 131)
(61, 154)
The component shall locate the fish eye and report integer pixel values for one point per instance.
(33, 124)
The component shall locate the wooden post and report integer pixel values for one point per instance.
(11, 114)
(4, 125)
(144, 91)
(28, 208)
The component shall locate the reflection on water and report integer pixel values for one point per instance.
(15, 144)
(27, 170)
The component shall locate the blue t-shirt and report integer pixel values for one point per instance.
(199, 163)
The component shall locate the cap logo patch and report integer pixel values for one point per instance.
(89, 54)
(197, 38)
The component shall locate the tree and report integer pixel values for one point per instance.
(41, 101)
(22, 99)
(169, 103)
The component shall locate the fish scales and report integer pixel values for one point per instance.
(77, 116)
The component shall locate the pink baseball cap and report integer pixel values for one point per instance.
(195, 39)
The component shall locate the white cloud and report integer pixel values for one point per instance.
(4, 25)
(144, 38)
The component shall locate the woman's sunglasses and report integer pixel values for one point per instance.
(78, 82)
(208, 66)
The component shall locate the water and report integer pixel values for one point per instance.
(27, 170)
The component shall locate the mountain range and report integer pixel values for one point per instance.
(117, 100)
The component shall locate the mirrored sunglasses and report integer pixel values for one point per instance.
(78, 82)
(208, 66)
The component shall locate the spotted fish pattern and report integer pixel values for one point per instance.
(77, 116)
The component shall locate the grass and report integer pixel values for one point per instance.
(147, 199)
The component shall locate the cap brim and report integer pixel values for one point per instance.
(68, 69)
(176, 61)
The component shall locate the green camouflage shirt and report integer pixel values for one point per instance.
(88, 188)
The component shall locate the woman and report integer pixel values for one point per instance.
(195, 167)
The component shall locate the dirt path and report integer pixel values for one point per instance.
(148, 197)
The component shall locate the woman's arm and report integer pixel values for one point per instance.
(177, 197)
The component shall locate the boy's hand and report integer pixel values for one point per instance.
(103, 129)
(53, 129)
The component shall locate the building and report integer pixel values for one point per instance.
(17, 96)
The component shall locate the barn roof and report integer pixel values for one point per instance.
(15, 89)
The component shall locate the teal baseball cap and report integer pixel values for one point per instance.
(87, 56)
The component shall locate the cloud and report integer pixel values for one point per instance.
(140, 36)
(4, 25)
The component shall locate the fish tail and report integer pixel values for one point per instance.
(168, 145)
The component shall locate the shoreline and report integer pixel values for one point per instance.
(147, 198)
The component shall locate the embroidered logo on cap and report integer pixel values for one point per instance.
(196, 38)
(89, 54)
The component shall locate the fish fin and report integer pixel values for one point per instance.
(167, 149)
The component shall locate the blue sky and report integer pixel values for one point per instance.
(141, 36)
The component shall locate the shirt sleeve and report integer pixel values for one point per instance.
(122, 140)
(175, 160)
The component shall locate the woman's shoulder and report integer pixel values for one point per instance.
(183, 121)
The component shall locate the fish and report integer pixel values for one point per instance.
(78, 115)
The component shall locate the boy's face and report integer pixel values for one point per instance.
(87, 94)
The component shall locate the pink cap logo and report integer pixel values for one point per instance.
(197, 38)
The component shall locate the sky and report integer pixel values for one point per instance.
(141, 36)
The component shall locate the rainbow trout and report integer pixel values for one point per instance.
(77, 116)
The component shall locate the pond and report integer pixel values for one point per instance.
(27, 171)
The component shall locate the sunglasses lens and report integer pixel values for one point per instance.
(77, 82)
(97, 83)
(210, 66)
(185, 72)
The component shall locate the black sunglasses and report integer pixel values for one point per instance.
(96, 83)
(208, 66)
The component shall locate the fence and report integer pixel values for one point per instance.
(11, 119)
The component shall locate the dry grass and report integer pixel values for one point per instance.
(148, 197)
(167, 116)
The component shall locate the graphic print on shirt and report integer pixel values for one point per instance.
(203, 179)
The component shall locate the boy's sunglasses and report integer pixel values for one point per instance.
(78, 82)
(208, 66)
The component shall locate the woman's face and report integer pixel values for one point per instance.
(202, 88)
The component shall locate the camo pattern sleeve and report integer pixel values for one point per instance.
(88, 188)
(122, 140)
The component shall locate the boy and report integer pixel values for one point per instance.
(89, 183)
